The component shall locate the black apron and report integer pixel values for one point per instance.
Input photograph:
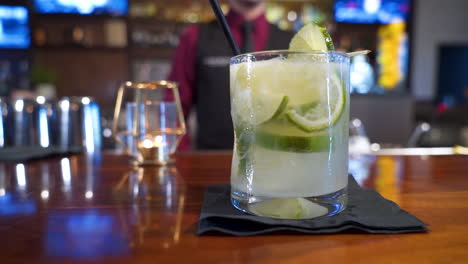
(212, 99)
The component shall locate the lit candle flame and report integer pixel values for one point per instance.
(147, 143)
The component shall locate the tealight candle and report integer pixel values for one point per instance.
(149, 127)
(153, 150)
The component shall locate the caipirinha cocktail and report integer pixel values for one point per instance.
(290, 111)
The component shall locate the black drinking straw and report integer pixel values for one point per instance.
(227, 31)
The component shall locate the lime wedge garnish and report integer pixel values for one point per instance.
(261, 87)
(265, 103)
(281, 108)
(288, 103)
(328, 110)
(311, 37)
(325, 113)
(319, 143)
(279, 134)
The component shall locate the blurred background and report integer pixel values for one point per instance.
(412, 90)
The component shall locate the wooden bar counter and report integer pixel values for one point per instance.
(97, 209)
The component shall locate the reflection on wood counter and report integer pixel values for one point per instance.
(80, 209)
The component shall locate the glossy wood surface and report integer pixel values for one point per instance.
(96, 209)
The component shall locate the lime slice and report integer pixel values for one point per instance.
(281, 108)
(305, 107)
(323, 115)
(311, 37)
(260, 89)
(328, 110)
(265, 103)
(288, 208)
(279, 134)
(298, 144)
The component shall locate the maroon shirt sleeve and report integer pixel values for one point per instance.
(183, 66)
(183, 72)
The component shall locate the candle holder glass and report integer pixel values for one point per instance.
(148, 121)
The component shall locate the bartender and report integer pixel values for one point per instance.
(201, 67)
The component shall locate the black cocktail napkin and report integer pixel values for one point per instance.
(19, 154)
(367, 210)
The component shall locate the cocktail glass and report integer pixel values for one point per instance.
(290, 112)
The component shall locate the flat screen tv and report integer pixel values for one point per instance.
(82, 7)
(452, 85)
(371, 11)
(14, 27)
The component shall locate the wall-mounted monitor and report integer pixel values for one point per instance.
(371, 11)
(452, 86)
(82, 7)
(14, 27)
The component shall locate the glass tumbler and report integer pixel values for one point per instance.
(290, 112)
(22, 127)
